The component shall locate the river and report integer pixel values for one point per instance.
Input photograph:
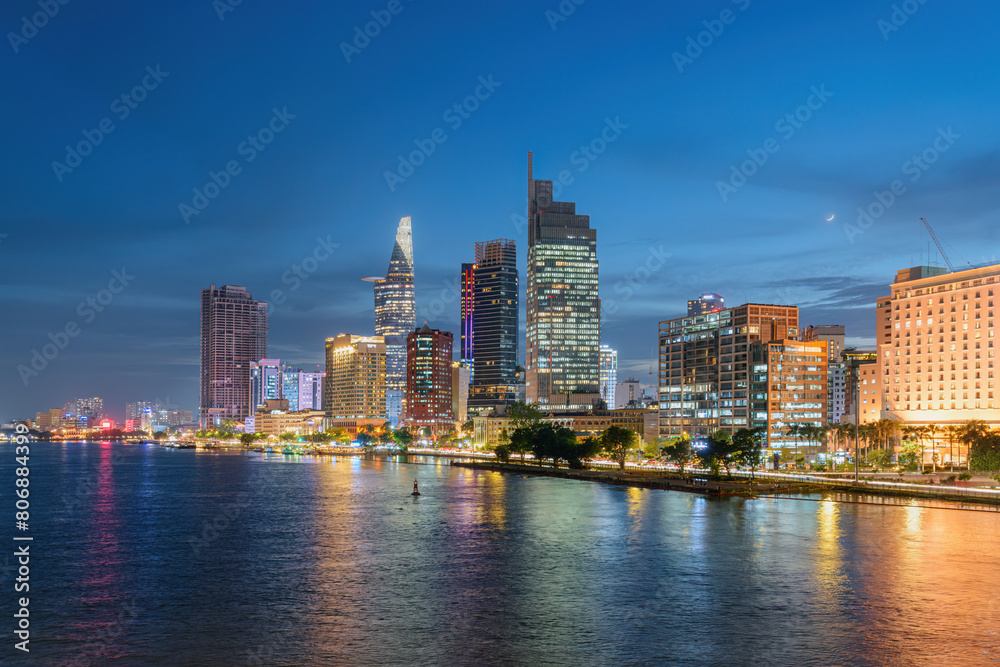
(143, 555)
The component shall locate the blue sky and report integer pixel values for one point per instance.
(665, 233)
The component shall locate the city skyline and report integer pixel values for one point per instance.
(110, 230)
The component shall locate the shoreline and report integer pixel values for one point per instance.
(702, 484)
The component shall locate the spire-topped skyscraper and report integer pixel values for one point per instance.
(396, 316)
(563, 315)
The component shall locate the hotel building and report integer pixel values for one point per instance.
(355, 378)
(936, 347)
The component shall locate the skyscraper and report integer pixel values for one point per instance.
(395, 315)
(563, 313)
(609, 375)
(233, 335)
(429, 381)
(86, 411)
(489, 323)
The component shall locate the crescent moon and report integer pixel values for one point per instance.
(831, 217)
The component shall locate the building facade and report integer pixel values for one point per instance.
(460, 375)
(429, 381)
(563, 310)
(788, 388)
(704, 368)
(303, 389)
(489, 323)
(355, 382)
(608, 375)
(265, 381)
(709, 302)
(834, 335)
(936, 355)
(396, 315)
(233, 335)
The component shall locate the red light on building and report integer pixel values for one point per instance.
(107, 425)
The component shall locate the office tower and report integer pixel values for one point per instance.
(460, 375)
(265, 382)
(608, 374)
(395, 315)
(465, 314)
(429, 381)
(355, 377)
(788, 386)
(709, 302)
(563, 311)
(704, 365)
(233, 335)
(627, 391)
(833, 334)
(936, 358)
(489, 323)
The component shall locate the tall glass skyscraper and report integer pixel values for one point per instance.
(233, 335)
(489, 323)
(396, 316)
(265, 382)
(563, 310)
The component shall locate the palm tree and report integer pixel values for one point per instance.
(793, 431)
(932, 431)
(951, 434)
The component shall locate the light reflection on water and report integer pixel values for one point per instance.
(332, 561)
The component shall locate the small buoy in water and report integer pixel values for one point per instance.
(415, 491)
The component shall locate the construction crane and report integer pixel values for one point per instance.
(951, 269)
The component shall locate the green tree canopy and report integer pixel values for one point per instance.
(617, 442)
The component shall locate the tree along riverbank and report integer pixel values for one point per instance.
(694, 482)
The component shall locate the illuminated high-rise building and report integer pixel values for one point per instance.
(705, 366)
(609, 375)
(563, 313)
(265, 382)
(233, 335)
(429, 381)
(396, 316)
(709, 302)
(489, 323)
(86, 412)
(355, 384)
(936, 352)
(302, 390)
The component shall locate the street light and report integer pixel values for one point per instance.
(857, 418)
